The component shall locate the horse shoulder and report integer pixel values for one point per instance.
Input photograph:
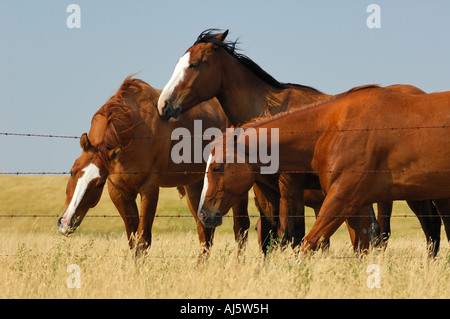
(210, 112)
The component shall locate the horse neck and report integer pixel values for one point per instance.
(244, 96)
(297, 137)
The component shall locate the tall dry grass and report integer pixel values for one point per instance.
(34, 258)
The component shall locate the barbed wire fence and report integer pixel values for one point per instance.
(62, 173)
(6, 215)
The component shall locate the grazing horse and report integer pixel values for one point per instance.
(366, 145)
(129, 146)
(213, 68)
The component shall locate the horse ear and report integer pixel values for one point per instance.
(222, 36)
(84, 142)
(114, 154)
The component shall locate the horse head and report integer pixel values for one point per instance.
(224, 184)
(85, 186)
(196, 77)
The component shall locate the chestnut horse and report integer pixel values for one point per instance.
(129, 146)
(212, 68)
(366, 145)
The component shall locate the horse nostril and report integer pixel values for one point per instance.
(166, 106)
(63, 225)
(165, 111)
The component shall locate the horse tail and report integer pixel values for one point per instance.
(181, 191)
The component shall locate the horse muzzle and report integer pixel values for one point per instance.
(210, 220)
(66, 227)
(168, 112)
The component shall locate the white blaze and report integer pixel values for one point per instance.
(205, 186)
(177, 77)
(91, 172)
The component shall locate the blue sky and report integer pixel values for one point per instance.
(53, 79)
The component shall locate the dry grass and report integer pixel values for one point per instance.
(34, 257)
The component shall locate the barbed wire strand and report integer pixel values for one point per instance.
(248, 133)
(6, 215)
(196, 257)
(387, 171)
(39, 135)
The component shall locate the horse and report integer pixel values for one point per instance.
(366, 145)
(212, 68)
(129, 147)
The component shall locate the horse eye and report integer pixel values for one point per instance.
(218, 169)
(193, 65)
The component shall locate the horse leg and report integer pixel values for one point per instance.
(443, 207)
(269, 231)
(241, 223)
(334, 211)
(363, 229)
(384, 219)
(429, 219)
(375, 230)
(149, 200)
(205, 235)
(258, 231)
(267, 226)
(292, 208)
(126, 205)
(326, 243)
(267, 202)
(314, 199)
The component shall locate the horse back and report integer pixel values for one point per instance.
(383, 108)
(400, 140)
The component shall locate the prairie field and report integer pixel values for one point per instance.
(37, 262)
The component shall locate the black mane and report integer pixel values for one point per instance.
(210, 36)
